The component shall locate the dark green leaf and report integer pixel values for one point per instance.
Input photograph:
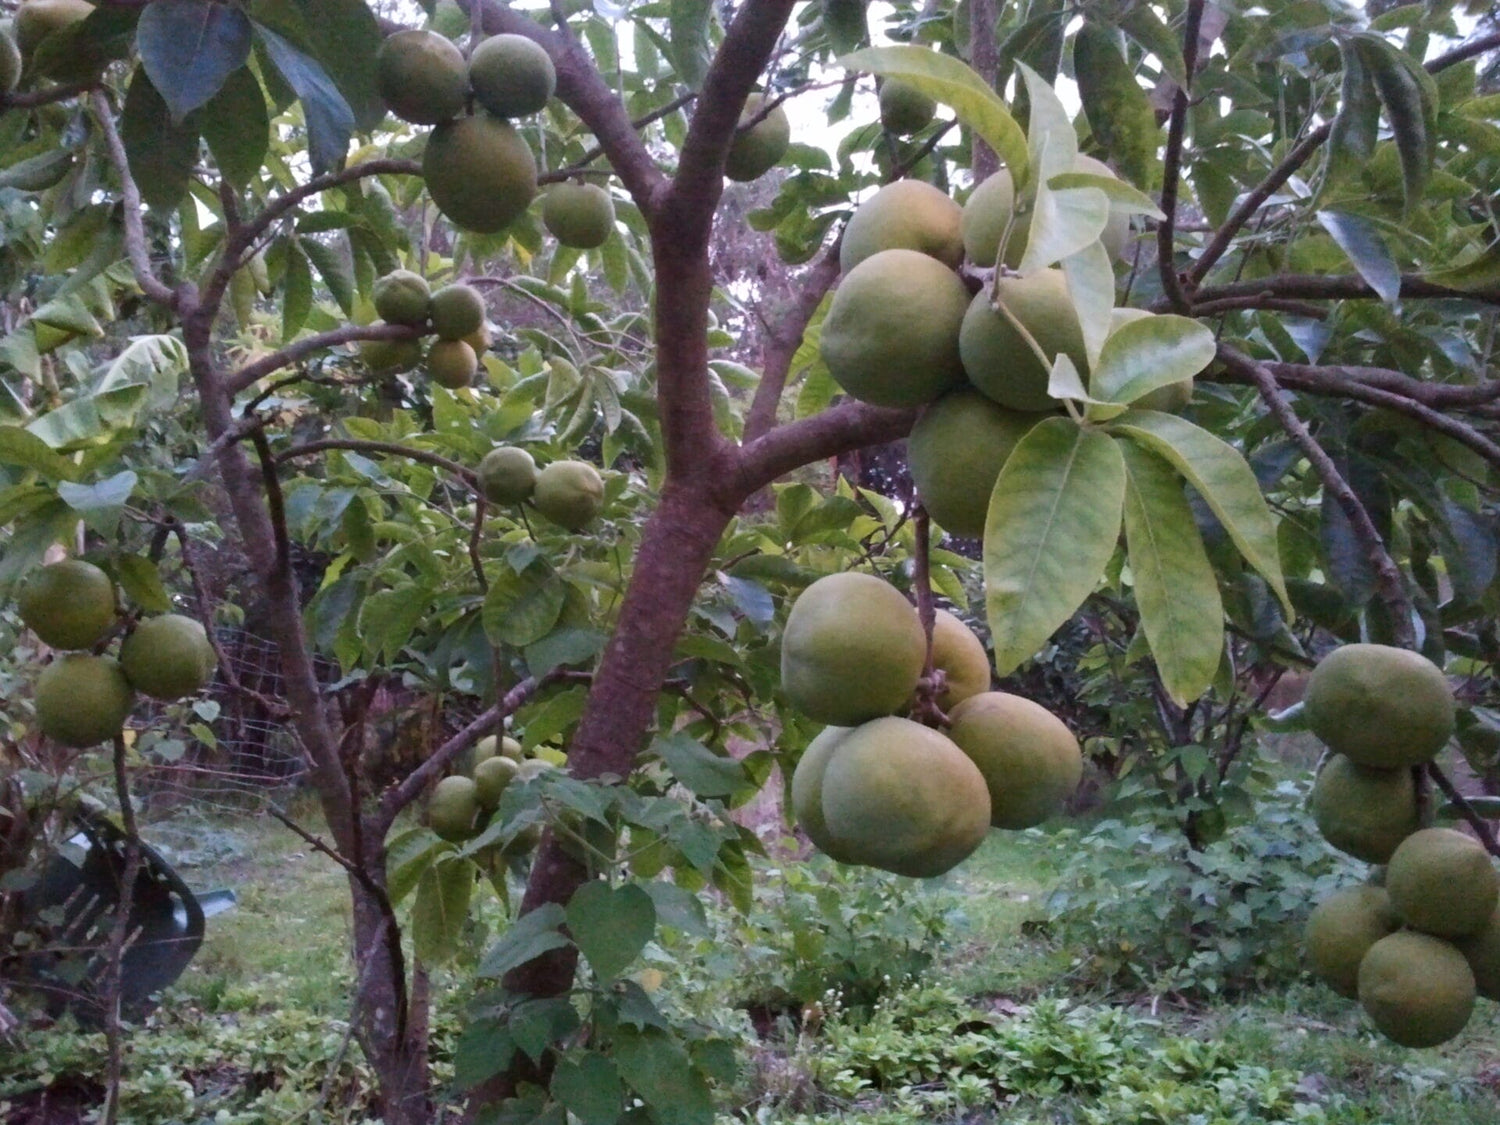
(529, 937)
(521, 609)
(142, 583)
(1119, 109)
(1360, 240)
(189, 47)
(658, 1069)
(1356, 127)
(707, 774)
(330, 121)
(1410, 100)
(334, 268)
(563, 646)
(297, 292)
(237, 128)
(589, 1085)
(28, 451)
(345, 36)
(161, 154)
(687, 23)
(441, 906)
(610, 925)
(1143, 25)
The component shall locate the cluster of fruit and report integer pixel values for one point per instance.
(455, 314)
(83, 698)
(884, 791)
(461, 805)
(1416, 948)
(569, 493)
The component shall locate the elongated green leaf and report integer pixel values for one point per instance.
(1360, 240)
(1410, 100)
(687, 23)
(161, 154)
(1091, 287)
(1356, 127)
(189, 48)
(949, 81)
(1480, 272)
(344, 34)
(330, 121)
(1119, 109)
(1052, 145)
(297, 302)
(441, 905)
(1053, 521)
(142, 583)
(531, 935)
(1175, 588)
(611, 925)
(28, 451)
(1222, 477)
(1123, 199)
(237, 127)
(1143, 25)
(1063, 222)
(1150, 352)
(333, 267)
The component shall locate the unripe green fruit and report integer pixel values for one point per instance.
(1418, 990)
(37, 19)
(905, 215)
(891, 334)
(69, 604)
(1442, 882)
(488, 746)
(807, 792)
(756, 150)
(82, 700)
(569, 493)
(1482, 951)
(1363, 812)
(1341, 930)
(1029, 758)
(480, 172)
(457, 311)
(421, 77)
(402, 297)
(512, 76)
(479, 340)
(507, 475)
(491, 777)
(998, 359)
(956, 451)
(452, 363)
(579, 215)
(990, 207)
(454, 808)
(388, 357)
(903, 108)
(959, 654)
(10, 61)
(1381, 706)
(168, 657)
(852, 650)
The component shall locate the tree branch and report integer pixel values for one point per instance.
(135, 231)
(783, 340)
(1481, 827)
(1166, 231)
(252, 373)
(119, 934)
(437, 460)
(1320, 287)
(34, 99)
(849, 425)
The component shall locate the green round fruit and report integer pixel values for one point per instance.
(1363, 812)
(168, 657)
(891, 334)
(986, 214)
(1341, 930)
(999, 360)
(1029, 758)
(457, 311)
(512, 76)
(1418, 990)
(955, 453)
(37, 19)
(488, 746)
(452, 363)
(807, 791)
(1117, 226)
(453, 810)
(491, 777)
(69, 604)
(1482, 950)
(507, 475)
(1442, 882)
(10, 61)
(569, 493)
(82, 700)
(852, 650)
(389, 357)
(903, 108)
(960, 655)
(402, 297)
(901, 797)
(579, 215)
(480, 172)
(1381, 706)
(757, 149)
(905, 215)
(421, 77)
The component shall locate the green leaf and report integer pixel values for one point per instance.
(846, 24)
(91, 420)
(589, 1086)
(530, 936)
(659, 1070)
(142, 583)
(1150, 352)
(1091, 288)
(441, 906)
(949, 81)
(1118, 108)
(1052, 144)
(28, 451)
(1175, 588)
(687, 25)
(296, 302)
(1062, 223)
(1053, 521)
(330, 121)
(707, 774)
(1222, 477)
(1360, 240)
(109, 493)
(189, 48)
(334, 269)
(237, 128)
(407, 858)
(1123, 199)
(161, 155)
(1143, 25)
(610, 926)
(1356, 127)
(345, 35)
(1479, 272)
(564, 646)
(1410, 99)
(521, 609)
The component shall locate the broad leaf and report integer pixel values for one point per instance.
(1052, 145)
(610, 925)
(521, 609)
(161, 155)
(1479, 272)
(1410, 100)
(330, 121)
(589, 1085)
(1360, 240)
(1123, 199)
(1150, 352)
(345, 35)
(707, 774)
(110, 493)
(1118, 108)
(687, 24)
(237, 128)
(189, 48)
(142, 583)
(530, 936)
(659, 1070)
(440, 908)
(27, 450)
(1063, 223)
(1091, 288)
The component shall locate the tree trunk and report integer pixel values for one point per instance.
(397, 1054)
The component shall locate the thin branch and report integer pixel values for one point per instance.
(437, 460)
(1260, 302)
(1335, 287)
(276, 509)
(849, 425)
(252, 373)
(638, 124)
(1166, 233)
(1481, 827)
(34, 99)
(783, 340)
(115, 973)
(135, 231)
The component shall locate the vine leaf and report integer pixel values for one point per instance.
(611, 925)
(440, 908)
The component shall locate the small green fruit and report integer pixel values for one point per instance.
(1363, 812)
(569, 493)
(389, 357)
(579, 215)
(1029, 758)
(512, 76)
(421, 77)
(168, 657)
(491, 777)
(905, 215)
(1380, 706)
(999, 360)
(956, 451)
(402, 297)
(757, 149)
(1442, 882)
(69, 604)
(507, 475)
(1341, 930)
(82, 700)
(903, 108)
(452, 363)
(457, 311)
(454, 808)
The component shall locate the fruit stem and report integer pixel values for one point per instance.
(1481, 828)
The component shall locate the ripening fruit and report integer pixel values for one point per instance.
(1381, 706)
(807, 791)
(452, 363)
(480, 172)
(960, 655)
(457, 310)
(1418, 990)
(68, 604)
(168, 657)
(999, 360)
(1029, 758)
(489, 746)
(10, 61)
(402, 297)
(891, 334)
(990, 207)
(579, 215)
(569, 493)
(454, 808)
(853, 650)
(909, 215)
(756, 150)
(901, 797)
(491, 777)
(512, 76)
(1482, 951)
(387, 357)
(82, 700)
(1340, 931)
(956, 451)
(1442, 882)
(507, 475)
(1363, 812)
(421, 77)
(903, 108)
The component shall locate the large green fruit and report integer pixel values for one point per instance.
(388, 357)
(402, 297)
(69, 604)
(82, 700)
(1442, 882)
(901, 797)
(452, 364)
(507, 475)
(905, 215)
(579, 215)
(960, 655)
(457, 311)
(807, 791)
(1418, 990)
(569, 493)
(989, 210)
(903, 108)
(10, 61)
(1029, 758)
(512, 76)
(421, 77)
(852, 650)
(1482, 951)
(756, 150)
(491, 777)
(891, 334)
(480, 172)
(168, 657)
(1341, 930)
(999, 360)
(454, 808)
(1381, 706)
(1363, 812)
(955, 453)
